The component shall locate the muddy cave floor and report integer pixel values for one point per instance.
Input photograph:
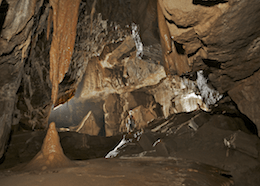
(181, 157)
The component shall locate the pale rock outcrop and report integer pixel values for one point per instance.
(223, 37)
(88, 125)
(188, 102)
(174, 61)
(116, 110)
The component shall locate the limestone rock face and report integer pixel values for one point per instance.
(16, 27)
(246, 95)
(51, 155)
(88, 125)
(112, 109)
(221, 37)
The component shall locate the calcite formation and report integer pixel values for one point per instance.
(51, 155)
(65, 17)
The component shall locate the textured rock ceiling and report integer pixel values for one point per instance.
(44, 54)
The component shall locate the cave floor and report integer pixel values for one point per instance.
(122, 171)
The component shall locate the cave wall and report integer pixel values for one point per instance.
(219, 37)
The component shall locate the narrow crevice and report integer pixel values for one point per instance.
(226, 175)
(168, 12)
(208, 2)
(3, 11)
(193, 53)
(178, 26)
(179, 48)
(203, 43)
(212, 63)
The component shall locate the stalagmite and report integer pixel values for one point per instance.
(51, 155)
(65, 17)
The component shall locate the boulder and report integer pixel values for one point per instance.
(88, 125)
(246, 96)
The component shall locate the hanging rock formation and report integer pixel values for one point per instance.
(65, 18)
(51, 155)
(174, 61)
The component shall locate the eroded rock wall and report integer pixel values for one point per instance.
(16, 36)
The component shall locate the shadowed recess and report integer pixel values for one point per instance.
(208, 2)
(3, 11)
(212, 63)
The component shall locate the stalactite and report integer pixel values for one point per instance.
(173, 61)
(65, 17)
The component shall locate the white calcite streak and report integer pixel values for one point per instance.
(210, 96)
(137, 39)
(116, 150)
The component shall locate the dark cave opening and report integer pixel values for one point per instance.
(212, 63)
(229, 108)
(3, 11)
(179, 48)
